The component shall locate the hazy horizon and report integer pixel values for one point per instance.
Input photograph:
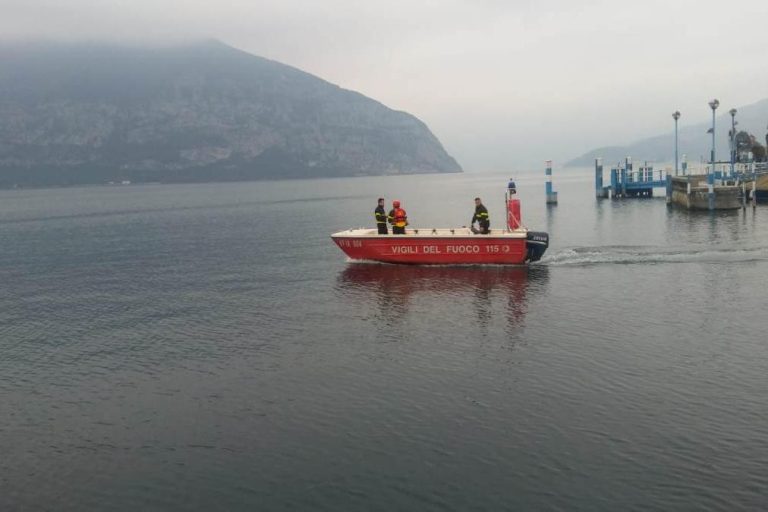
(502, 85)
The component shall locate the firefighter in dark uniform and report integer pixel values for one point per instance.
(381, 217)
(481, 217)
(398, 219)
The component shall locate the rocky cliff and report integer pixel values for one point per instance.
(92, 113)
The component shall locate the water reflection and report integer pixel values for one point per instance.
(391, 289)
(703, 226)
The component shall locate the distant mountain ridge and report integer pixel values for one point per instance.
(693, 140)
(92, 113)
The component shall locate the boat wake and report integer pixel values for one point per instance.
(627, 255)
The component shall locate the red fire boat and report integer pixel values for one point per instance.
(515, 245)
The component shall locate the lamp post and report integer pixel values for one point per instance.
(733, 139)
(676, 116)
(711, 178)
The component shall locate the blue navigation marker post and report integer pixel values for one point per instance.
(711, 177)
(599, 192)
(551, 194)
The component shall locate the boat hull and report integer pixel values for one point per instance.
(443, 247)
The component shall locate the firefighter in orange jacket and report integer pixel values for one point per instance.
(398, 219)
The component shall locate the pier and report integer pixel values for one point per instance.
(693, 192)
(718, 185)
(722, 186)
(626, 181)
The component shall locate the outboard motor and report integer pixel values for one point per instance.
(536, 245)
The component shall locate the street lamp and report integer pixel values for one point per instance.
(711, 179)
(676, 116)
(733, 138)
(713, 105)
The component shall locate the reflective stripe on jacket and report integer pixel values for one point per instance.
(381, 216)
(481, 214)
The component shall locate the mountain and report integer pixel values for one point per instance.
(693, 140)
(93, 113)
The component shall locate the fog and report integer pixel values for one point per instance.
(503, 84)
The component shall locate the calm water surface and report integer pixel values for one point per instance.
(206, 347)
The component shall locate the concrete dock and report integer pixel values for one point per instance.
(692, 192)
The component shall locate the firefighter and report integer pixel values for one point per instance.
(381, 217)
(481, 217)
(398, 218)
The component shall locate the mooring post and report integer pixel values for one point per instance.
(599, 178)
(551, 194)
(626, 172)
(669, 188)
(684, 165)
(743, 195)
(754, 191)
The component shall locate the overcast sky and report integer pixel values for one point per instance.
(503, 84)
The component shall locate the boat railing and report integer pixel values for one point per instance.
(441, 232)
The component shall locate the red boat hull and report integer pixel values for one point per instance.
(435, 249)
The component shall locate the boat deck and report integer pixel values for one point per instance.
(433, 233)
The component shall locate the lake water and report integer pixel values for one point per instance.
(207, 347)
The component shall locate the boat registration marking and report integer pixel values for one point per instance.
(436, 249)
(449, 249)
(462, 249)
